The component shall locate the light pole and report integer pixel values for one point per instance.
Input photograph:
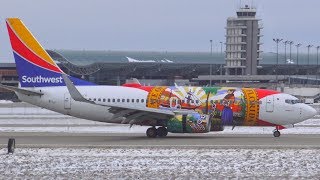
(277, 40)
(211, 46)
(290, 43)
(285, 51)
(318, 55)
(309, 46)
(317, 63)
(222, 58)
(298, 45)
(210, 82)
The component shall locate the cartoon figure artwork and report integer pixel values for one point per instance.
(227, 113)
(223, 106)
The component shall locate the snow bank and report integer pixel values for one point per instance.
(5, 102)
(142, 129)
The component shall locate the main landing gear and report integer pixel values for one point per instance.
(153, 132)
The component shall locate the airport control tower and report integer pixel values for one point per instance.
(243, 43)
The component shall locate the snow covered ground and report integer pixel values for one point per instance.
(159, 163)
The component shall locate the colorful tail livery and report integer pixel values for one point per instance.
(34, 65)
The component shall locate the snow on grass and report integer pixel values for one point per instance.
(159, 163)
(142, 129)
(5, 102)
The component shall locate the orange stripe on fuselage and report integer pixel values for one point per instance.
(29, 40)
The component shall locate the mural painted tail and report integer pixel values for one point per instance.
(34, 65)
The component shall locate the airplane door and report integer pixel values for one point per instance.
(67, 101)
(270, 104)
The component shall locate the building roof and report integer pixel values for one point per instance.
(88, 57)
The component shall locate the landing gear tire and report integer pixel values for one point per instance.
(276, 133)
(151, 132)
(162, 132)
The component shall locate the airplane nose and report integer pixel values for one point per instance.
(309, 112)
(313, 112)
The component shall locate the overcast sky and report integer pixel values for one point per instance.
(154, 25)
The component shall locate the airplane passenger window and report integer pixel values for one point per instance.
(132, 100)
(118, 100)
(89, 99)
(104, 100)
(99, 99)
(108, 100)
(113, 100)
(137, 100)
(94, 99)
(128, 100)
(142, 100)
(123, 100)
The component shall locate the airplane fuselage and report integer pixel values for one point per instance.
(247, 106)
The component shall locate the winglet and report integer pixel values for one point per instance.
(75, 94)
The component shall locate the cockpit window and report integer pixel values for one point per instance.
(293, 101)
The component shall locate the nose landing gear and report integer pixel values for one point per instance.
(276, 132)
(153, 132)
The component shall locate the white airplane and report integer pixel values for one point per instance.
(142, 61)
(290, 61)
(175, 109)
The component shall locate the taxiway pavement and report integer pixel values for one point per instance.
(111, 140)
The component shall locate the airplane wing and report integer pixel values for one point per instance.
(131, 113)
(20, 90)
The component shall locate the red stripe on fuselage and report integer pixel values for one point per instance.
(265, 92)
(25, 52)
(138, 86)
(264, 123)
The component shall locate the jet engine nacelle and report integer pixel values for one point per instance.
(189, 123)
(217, 127)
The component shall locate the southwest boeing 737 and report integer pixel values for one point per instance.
(175, 109)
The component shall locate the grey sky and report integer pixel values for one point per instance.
(156, 25)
